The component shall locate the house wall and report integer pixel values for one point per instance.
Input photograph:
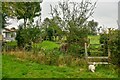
(9, 36)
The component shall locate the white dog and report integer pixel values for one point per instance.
(92, 67)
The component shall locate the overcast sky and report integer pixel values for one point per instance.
(106, 12)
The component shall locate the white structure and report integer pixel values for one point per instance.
(119, 15)
(9, 33)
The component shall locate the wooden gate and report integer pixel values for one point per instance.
(97, 59)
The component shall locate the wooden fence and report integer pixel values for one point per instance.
(96, 59)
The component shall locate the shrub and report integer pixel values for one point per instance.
(112, 41)
(77, 39)
(104, 41)
(114, 45)
(25, 37)
(76, 50)
(36, 47)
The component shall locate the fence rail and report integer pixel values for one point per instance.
(97, 57)
(98, 63)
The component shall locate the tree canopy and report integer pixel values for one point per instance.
(25, 10)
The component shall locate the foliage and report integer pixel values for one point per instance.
(52, 29)
(5, 13)
(104, 41)
(25, 37)
(114, 45)
(74, 21)
(76, 50)
(78, 15)
(76, 40)
(92, 26)
(25, 10)
(8, 46)
(112, 41)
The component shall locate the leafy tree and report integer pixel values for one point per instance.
(52, 28)
(5, 12)
(25, 10)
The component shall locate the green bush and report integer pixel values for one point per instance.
(104, 41)
(112, 41)
(25, 37)
(76, 50)
(114, 45)
(76, 40)
(36, 47)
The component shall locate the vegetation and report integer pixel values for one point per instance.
(8, 46)
(92, 27)
(51, 46)
(22, 10)
(20, 68)
(75, 23)
(25, 37)
(111, 41)
(94, 39)
(56, 48)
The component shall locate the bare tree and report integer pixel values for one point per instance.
(74, 12)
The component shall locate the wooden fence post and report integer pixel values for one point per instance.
(86, 55)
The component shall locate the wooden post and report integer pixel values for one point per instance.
(108, 52)
(86, 55)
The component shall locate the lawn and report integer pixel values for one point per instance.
(13, 67)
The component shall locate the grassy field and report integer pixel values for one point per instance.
(47, 45)
(13, 67)
(94, 39)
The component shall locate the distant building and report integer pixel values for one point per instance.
(9, 33)
(119, 15)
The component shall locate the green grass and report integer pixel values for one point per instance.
(94, 39)
(13, 43)
(17, 68)
(95, 45)
(47, 45)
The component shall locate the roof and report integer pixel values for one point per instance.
(9, 30)
(11, 26)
